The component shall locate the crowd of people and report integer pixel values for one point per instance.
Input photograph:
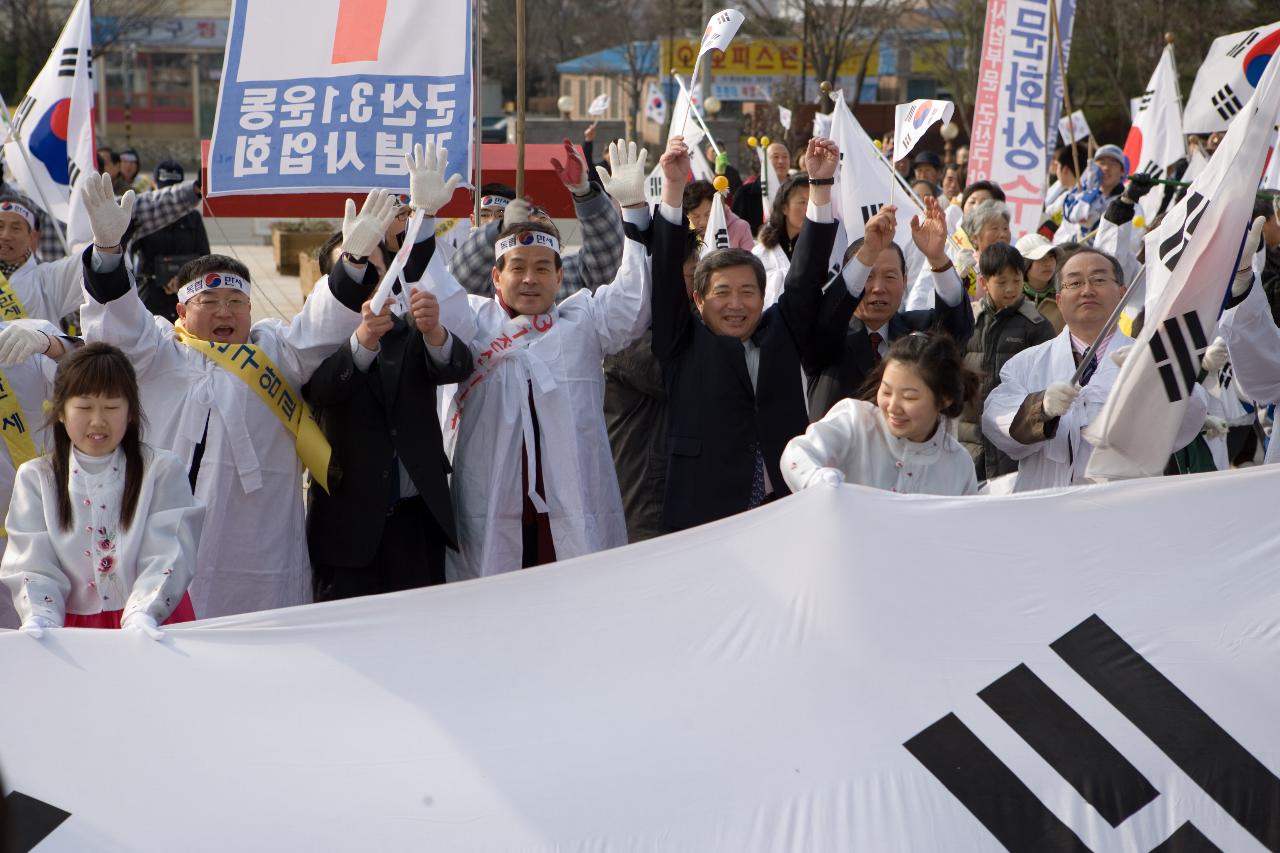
(510, 405)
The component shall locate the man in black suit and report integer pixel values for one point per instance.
(388, 517)
(732, 372)
(875, 276)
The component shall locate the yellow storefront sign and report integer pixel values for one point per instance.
(757, 57)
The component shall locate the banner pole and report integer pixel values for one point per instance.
(520, 96)
(477, 118)
(1055, 36)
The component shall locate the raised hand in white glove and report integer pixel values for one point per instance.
(1058, 398)
(966, 261)
(18, 343)
(36, 626)
(1119, 356)
(108, 218)
(362, 233)
(826, 477)
(1215, 357)
(428, 190)
(626, 183)
(517, 211)
(1244, 275)
(143, 623)
(1214, 427)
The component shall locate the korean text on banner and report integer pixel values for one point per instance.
(353, 93)
(1007, 144)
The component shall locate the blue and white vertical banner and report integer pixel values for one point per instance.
(1066, 19)
(334, 99)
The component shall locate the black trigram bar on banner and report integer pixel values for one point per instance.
(1187, 839)
(1177, 354)
(1226, 102)
(30, 821)
(1213, 759)
(990, 790)
(1071, 746)
(870, 210)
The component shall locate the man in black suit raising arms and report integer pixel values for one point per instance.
(732, 371)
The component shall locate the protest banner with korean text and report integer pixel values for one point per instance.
(352, 93)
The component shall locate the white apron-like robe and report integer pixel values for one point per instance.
(98, 566)
(253, 554)
(1253, 342)
(48, 291)
(564, 366)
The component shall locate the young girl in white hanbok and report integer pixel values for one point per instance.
(902, 438)
(103, 529)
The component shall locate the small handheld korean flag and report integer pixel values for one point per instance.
(599, 106)
(1155, 140)
(912, 120)
(716, 234)
(1226, 80)
(784, 117)
(655, 106)
(1074, 128)
(720, 30)
(653, 186)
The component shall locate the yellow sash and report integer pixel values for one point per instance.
(10, 305)
(252, 367)
(14, 428)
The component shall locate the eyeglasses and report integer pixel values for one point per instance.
(235, 303)
(1094, 281)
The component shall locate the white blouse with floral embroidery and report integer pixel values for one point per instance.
(96, 566)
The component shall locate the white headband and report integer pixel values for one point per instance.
(494, 201)
(525, 238)
(210, 281)
(14, 207)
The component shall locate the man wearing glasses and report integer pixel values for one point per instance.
(224, 393)
(1036, 415)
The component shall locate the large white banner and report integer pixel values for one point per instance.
(815, 675)
(1007, 144)
(1155, 140)
(334, 99)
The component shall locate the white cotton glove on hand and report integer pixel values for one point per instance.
(1215, 357)
(1214, 427)
(108, 218)
(966, 261)
(1058, 398)
(626, 183)
(428, 190)
(143, 623)
(361, 234)
(19, 343)
(517, 211)
(1244, 276)
(826, 477)
(36, 626)
(1119, 356)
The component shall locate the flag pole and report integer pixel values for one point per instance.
(1055, 36)
(520, 104)
(697, 117)
(684, 122)
(53, 220)
(477, 118)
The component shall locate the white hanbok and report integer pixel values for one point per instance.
(854, 438)
(562, 365)
(97, 565)
(253, 555)
(48, 291)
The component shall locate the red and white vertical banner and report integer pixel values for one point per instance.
(1008, 140)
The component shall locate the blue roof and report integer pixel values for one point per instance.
(615, 60)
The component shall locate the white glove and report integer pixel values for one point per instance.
(1214, 359)
(966, 261)
(18, 343)
(1118, 357)
(143, 623)
(108, 218)
(428, 190)
(826, 477)
(1214, 427)
(362, 234)
(1244, 277)
(626, 184)
(36, 626)
(517, 211)
(1058, 398)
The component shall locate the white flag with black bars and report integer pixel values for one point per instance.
(599, 106)
(52, 142)
(1191, 260)
(913, 120)
(864, 179)
(720, 30)
(768, 180)
(1226, 79)
(1074, 128)
(716, 234)
(1155, 140)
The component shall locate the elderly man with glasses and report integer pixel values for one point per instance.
(224, 393)
(1037, 415)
